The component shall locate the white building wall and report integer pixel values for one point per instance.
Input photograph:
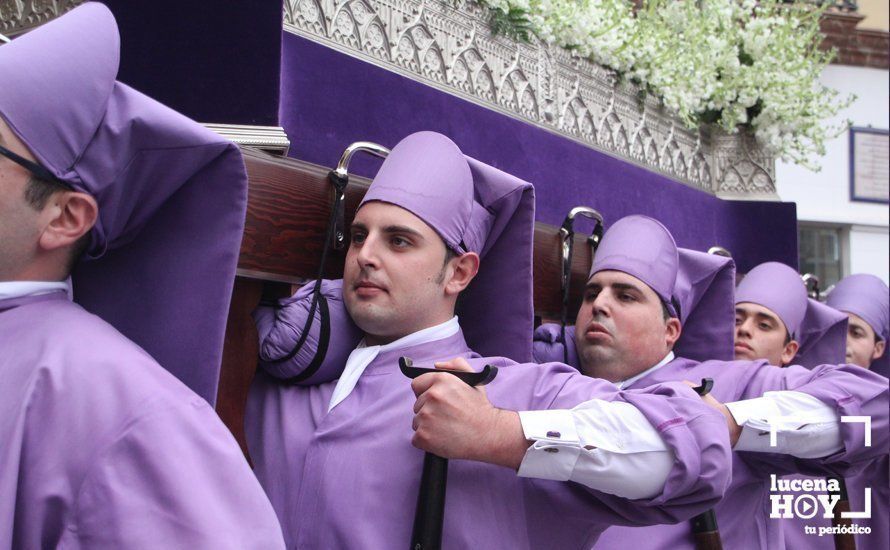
(870, 246)
(825, 196)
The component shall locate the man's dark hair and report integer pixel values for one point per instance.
(37, 194)
(449, 255)
(665, 312)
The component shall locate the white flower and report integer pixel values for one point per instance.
(752, 63)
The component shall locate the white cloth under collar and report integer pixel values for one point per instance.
(625, 383)
(363, 355)
(19, 289)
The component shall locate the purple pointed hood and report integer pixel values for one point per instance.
(868, 297)
(171, 194)
(704, 290)
(474, 208)
(822, 336)
(696, 287)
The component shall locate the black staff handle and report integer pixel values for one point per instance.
(704, 526)
(430, 513)
(842, 541)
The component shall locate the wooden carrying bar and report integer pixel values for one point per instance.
(288, 207)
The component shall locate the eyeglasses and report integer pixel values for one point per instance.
(39, 171)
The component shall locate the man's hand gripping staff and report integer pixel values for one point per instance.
(452, 418)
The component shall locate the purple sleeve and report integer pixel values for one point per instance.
(695, 432)
(332, 335)
(547, 345)
(850, 391)
(697, 435)
(175, 478)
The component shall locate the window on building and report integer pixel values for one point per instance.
(820, 252)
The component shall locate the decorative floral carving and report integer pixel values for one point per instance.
(17, 16)
(446, 43)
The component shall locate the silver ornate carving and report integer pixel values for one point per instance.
(746, 170)
(447, 44)
(271, 139)
(18, 16)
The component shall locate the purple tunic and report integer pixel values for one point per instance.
(102, 448)
(877, 476)
(743, 514)
(349, 478)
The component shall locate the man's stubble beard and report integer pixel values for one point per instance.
(600, 362)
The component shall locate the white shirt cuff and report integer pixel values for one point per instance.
(804, 426)
(556, 446)
(600, 444)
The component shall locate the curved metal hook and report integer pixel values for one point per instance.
(567, 231)
(717, 250)
(813, 285)
(339, 178)
(363, 146)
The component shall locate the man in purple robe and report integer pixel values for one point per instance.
(866, 301)
(777, 322)
(637, 278)
(341, 459)
(101, 446)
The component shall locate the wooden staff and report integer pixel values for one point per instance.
(429, 516)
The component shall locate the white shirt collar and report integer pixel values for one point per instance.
(19, 289)
(431, 334)
(625, 383)
(363, 355)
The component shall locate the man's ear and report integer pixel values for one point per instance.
(463, 268)
(673, 330)
(67, 217)
(878, 352)
(789, 352)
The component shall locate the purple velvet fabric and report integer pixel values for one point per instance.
(204, 64)
(778, 288)
(103, 449)
(350, 477)
(171, 194)
(330, 99)
(822, 336)
(868, 297)
(743, 513)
